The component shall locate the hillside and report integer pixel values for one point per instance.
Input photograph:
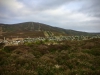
(47, 57)
(33, 29)
(69, 58)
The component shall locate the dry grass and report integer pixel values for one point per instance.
(69, 58)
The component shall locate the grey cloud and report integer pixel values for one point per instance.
(30, 6)
(44, 11)
(92, 8)
(44, 4)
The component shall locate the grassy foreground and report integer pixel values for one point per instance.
(65, 58)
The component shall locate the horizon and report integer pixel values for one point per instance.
(49, 25)
(78, 15)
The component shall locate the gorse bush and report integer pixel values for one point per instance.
(64, 58)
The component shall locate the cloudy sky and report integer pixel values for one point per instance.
(80, 15)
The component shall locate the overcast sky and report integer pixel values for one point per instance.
(81, 15)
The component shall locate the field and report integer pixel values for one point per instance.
(63, 58)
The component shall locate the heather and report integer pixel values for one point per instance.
(62, 58)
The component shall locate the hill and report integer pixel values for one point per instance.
(34, 29)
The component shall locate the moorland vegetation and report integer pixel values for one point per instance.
(64, 58)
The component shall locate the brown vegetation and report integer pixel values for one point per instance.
(69, 58)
